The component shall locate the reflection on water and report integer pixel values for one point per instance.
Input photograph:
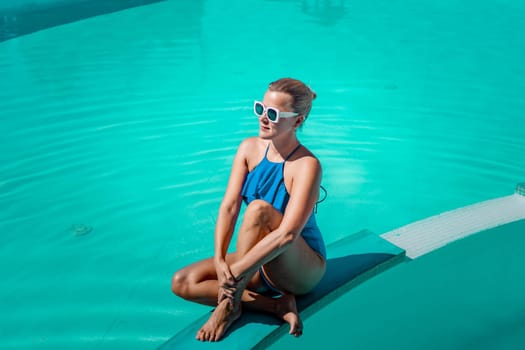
(325, 12)
(27, 19)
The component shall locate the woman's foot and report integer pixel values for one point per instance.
(222, 317)
(287, 311)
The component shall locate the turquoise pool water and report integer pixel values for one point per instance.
(118, 131)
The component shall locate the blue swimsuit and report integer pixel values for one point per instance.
(266, 182)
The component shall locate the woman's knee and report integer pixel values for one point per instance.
(261, 211)
(259, 206)
(179, 283)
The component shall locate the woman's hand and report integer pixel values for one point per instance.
(227, 283)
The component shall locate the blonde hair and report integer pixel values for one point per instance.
(301, 94)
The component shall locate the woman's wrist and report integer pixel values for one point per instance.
(219, 257)
(236, 272)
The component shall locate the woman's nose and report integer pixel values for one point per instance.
(264, 118)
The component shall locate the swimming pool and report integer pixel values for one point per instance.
(118, 131)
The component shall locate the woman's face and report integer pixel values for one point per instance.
(283, 102)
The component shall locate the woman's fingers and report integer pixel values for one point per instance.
(225, 293)
(229, 286)
(229, 289)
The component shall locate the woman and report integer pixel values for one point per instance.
(279, 248)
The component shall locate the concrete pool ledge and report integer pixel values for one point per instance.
(422, 237)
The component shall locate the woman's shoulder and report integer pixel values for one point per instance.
(251, 150)
(304, 166)
(306, 154)
(306, 159)
(251, 144)
(250, 141)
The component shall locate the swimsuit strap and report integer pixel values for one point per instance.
(291, 153)
(266, 152)
(287, 157)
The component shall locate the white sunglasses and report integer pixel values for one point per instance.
(273, 114)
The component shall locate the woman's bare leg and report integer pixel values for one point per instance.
(260, 218)
(257, 223)
(198, 282)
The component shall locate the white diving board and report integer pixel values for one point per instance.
(424, 236)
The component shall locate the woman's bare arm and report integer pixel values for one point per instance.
(231, 202)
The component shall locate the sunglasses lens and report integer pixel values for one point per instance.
(259, 109)
(272, 114)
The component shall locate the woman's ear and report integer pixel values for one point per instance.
(299, 121)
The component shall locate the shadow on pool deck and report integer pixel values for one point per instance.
(348, 270)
